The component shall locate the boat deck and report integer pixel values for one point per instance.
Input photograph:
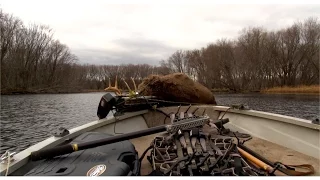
(270, 151)
(141, 120)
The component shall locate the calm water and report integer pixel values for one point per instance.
(28, 119)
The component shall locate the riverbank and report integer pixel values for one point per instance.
(314, 89)
(51, 91)
(229, 91)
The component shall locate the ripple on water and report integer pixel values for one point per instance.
(29, 119)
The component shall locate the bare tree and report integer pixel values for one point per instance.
(32, 60)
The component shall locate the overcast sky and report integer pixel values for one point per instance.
(102, 32)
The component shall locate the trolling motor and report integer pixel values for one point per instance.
(122, 104)
(106, 104)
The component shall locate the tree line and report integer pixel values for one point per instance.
(255, 60)
(33, 61)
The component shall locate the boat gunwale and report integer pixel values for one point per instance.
(22, 157)
(270, 116)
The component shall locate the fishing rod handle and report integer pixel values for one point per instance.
(52, 152)
(256, 155)
(256, 161)
(69, 148)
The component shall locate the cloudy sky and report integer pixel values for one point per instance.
(107, 32)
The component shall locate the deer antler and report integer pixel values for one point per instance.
(116, 83)
(131, 93)
(115, 88)
(134, 84)
(117, 91)
(129, 89)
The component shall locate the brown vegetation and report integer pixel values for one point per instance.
(176, 87)
(314, 89)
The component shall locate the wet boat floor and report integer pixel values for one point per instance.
(268, 150)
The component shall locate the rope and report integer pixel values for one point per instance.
(8, 164)
(8, 161)
(114, 124)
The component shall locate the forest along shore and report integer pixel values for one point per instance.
(312, 90)
(257, 58)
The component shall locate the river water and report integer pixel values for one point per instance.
(29, 119)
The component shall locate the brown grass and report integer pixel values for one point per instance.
(217, 90)
(313, 89)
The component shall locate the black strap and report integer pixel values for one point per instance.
(237, 166)
(144, 153)
(238, 170)
(156, 173)
(291, 169)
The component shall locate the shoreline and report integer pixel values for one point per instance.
(50, 92)
(298, 90)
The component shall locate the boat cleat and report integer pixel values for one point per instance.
(6, 156)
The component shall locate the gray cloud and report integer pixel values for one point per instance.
(139, 49)
(135, 51)
(271, 17)
(104, 33)
(285, 16)
(144, 46)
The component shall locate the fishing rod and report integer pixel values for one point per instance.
(179, 124)
(106, 104)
